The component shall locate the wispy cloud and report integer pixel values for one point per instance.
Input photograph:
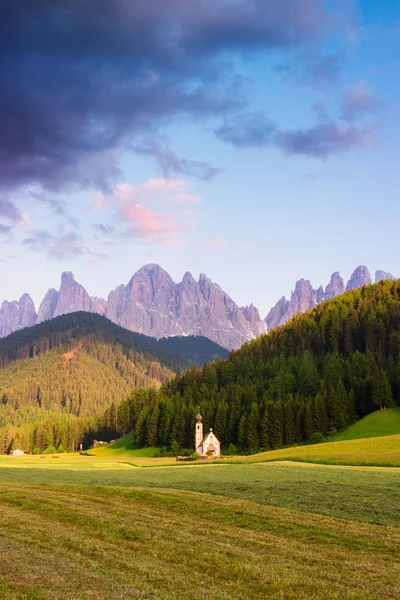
(325, 139)
(173, 165)
(358, 101)
(138, 210)
(60, 245)
(247, 129)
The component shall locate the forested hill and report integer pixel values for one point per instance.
(76, 366)
(177, 353)
(320, 372)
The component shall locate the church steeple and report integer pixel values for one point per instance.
(198, 431)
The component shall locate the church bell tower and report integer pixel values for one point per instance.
(198, 433)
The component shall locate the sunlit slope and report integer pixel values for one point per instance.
(377, 424)
(379, 451)
(123, 447)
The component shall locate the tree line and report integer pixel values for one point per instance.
(318, 374)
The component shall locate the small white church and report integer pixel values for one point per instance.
(208, 445)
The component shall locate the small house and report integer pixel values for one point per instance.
(18, 452)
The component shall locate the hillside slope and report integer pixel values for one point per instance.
(377, 424)
(321, 372)
(77, 365)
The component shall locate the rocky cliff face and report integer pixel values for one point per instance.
(335, 286)
(17, 315)
(72, 297)
(382, 275)
(153, 304)
(304, 297)
(47, 306)
(360, 277)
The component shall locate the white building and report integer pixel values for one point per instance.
(209, 443)
(18, 453)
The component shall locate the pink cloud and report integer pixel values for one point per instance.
(215, 243)
(162, 191)
(162, 228)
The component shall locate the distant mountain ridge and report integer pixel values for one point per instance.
(154, 305)
(151, 304)
(305, 297)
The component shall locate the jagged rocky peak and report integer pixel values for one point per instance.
(153, 304)
(27, 311)
(72, 296)
(382, 275)
(251, 313)
(278, 313)
(360, 277)
(304, 296)
(320, 294)
(335, 286)
(47, 306)
(16, 315)
(153, 273)
(98, 305)
(67, 278)
(188, 280)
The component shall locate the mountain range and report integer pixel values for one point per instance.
(154, 305)
(304, 297)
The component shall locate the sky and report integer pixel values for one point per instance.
(254, 141)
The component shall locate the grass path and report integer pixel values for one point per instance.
(80, 542)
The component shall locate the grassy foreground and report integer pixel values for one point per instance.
(81, 542)
(98, 527)
(364, 494)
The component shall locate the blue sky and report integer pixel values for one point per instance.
(254, 142)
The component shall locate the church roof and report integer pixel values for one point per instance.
(205, 438)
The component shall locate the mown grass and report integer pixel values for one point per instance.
(371, 495)
(83, 542)
(377, 424)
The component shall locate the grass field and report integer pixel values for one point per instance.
(122, 447)
(80, 542)
(377, 424)
(377, 451)
(100, 527)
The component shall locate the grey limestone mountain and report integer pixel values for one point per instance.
(153, 304)
(382, 275)
(72, 297)
(47, 306)
(335, 286)
(17, 315)
(304, 297)
(361, 276)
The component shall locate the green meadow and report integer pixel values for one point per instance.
(377, 424)
(127, 526)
